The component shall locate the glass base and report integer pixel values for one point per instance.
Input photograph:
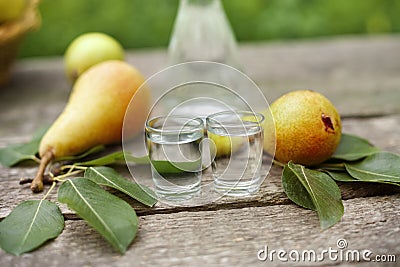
(237, 189)
(177, 193)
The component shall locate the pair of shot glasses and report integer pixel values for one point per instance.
(235, 144)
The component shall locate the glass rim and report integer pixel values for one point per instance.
(193, 128)
(212, 122)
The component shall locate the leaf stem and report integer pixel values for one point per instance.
(50, 189)
(62, 177)
(278, 163)
(34, 158)
(72, 167)
(332, 165)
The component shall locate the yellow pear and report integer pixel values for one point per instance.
(307, 126)
(224, 145)
(94, 114)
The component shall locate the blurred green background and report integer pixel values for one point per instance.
(148, 23)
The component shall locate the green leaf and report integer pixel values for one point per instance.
(346, 177)
(168, 167)
(137, 160)
(341, 176)
(353, 148)
(29, 225)
(314, 190)
(109, 177)
(39, 133)
(105, 160)
(16, 153)
(295, 190)
(109, 215)
(379, 167)
(337, 167)
(85, 154)
(114, 157)
(10, 156)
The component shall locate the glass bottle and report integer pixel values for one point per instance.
(202, 32)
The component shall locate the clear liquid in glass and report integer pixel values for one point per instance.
(239, 172)
(176, 164)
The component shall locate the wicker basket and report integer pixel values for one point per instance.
(11, 35)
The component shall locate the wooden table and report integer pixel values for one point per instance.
(361, 75)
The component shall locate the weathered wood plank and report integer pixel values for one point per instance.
(359, 75)
(226, 237)
(271, 192)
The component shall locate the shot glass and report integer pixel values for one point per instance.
(173, 144)
(236, 146)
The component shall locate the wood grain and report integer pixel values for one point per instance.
(271, 193)
(229, 237)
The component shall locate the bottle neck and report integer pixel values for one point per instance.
(202, 6)
(202, 32)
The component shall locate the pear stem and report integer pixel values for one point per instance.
(278, 163)
(37, 183)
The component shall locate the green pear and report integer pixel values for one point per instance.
(11, 9)
(88, 50)
(94, 114)
(307, 127)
